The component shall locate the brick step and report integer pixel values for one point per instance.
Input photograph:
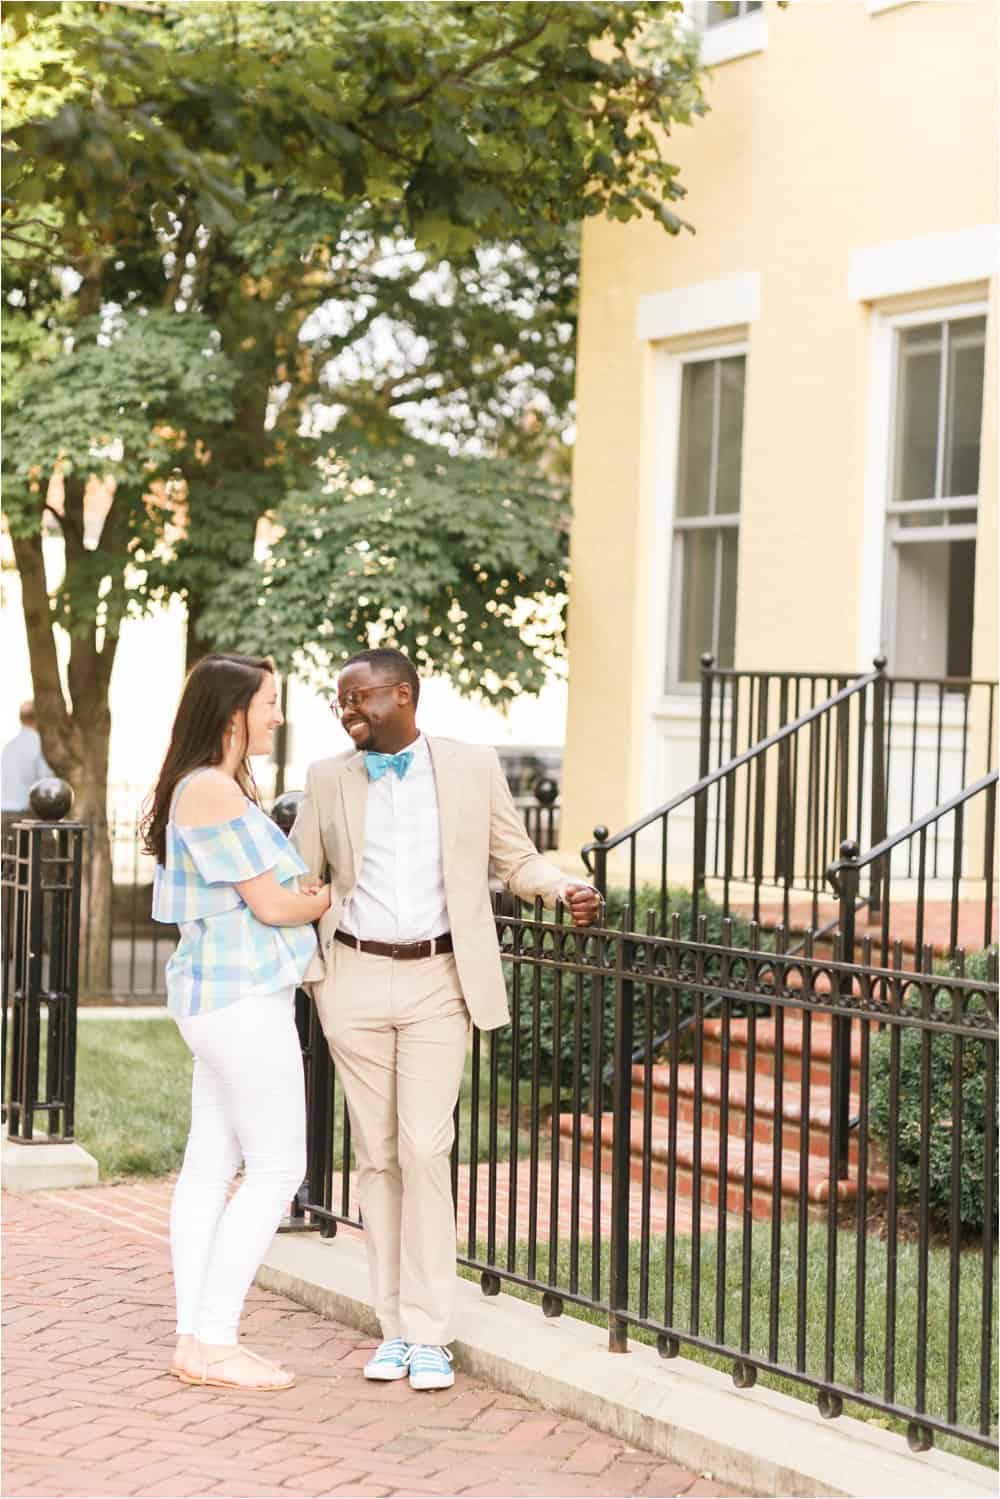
(765, 1096)
(597, 1152)
(820, 1048)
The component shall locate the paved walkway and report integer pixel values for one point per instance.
(90, 1413)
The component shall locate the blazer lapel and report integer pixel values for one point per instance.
(354, 790)
(449, 795)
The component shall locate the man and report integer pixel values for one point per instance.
(21, 765)
(407, 830)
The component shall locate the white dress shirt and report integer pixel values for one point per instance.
(399, 896)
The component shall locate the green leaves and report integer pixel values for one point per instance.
(455, 560)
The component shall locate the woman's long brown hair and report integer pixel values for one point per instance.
(218, 686)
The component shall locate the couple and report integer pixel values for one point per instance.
(395, 841)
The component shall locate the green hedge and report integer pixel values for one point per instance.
(647, 900)
(908, 1127)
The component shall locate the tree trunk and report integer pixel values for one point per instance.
(90, 807)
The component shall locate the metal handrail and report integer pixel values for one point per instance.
(860, 860)
(754, 752)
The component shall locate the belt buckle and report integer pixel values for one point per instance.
(395, 949)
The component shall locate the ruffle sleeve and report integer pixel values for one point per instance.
(226, 853)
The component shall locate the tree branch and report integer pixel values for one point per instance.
(60, 735)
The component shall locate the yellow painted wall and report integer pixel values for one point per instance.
(850, 130)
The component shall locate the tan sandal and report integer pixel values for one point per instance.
(208, 1381)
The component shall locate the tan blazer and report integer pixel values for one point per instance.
(482, 832)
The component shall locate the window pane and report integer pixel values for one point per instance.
(917, 413)
(694, 462)
(966, 352)
(726, 644)
(697, 600)
(727, 497)
(717, 11)
(934, 608)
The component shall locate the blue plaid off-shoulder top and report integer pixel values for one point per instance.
(225, 953)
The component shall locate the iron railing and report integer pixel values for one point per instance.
(41, 880)
(772, 816)
(695, 1198)
(791, 764)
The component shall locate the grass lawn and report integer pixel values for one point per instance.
(133, 1095)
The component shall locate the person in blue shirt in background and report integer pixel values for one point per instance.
(21, 765)
(227, 876)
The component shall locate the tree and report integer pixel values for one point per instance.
(355, 210)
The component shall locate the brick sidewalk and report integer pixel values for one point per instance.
(89, 1412)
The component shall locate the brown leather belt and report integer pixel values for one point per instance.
(426, 949)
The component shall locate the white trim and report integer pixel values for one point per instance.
(730, 302)
(922, 264)
(728, 40)
(873, 628)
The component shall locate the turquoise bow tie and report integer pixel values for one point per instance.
(377, 764)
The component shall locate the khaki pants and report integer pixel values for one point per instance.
(398, 1033)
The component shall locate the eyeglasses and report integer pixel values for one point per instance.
(354, 698)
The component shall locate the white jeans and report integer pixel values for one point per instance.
(247, 1103)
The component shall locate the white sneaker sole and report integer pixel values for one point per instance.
(432, 1381)
(384, 1374)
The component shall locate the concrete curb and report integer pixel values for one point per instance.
(755, 1440)
(43, 1167)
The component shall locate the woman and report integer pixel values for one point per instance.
(227, 876)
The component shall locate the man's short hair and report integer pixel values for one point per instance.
(388, 662)
(27, 713)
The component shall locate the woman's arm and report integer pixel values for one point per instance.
(274, 905)
(214, 798)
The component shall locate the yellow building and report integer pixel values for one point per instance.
(787, 449)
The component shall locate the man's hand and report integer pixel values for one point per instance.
(582, 902)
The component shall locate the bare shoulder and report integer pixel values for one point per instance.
(209, 798)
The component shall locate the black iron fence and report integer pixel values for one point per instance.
(790, 766)
(689, 1191)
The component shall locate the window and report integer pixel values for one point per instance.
(706, 515)
(717, 12)
(933, 495)
(729, 28)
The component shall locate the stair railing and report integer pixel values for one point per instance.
(845, 877)
(772, 815)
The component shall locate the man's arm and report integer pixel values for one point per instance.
(517, 862)
(306, 837)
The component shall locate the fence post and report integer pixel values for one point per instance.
(284, 811)
(879, 808)
(601, 861)
(849, 876)
(704, 759)
(42, 878)
(621, 1107)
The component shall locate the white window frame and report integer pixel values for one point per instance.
(664, 689)
(728, 40)
(878, 572)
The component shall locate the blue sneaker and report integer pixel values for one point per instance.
(430, 1367)
(389, 1361)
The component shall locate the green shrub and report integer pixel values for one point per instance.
(908, 1113)
(600, 992)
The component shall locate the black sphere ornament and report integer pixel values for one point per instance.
(546, 790)
(286, 809)
(50, 798)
